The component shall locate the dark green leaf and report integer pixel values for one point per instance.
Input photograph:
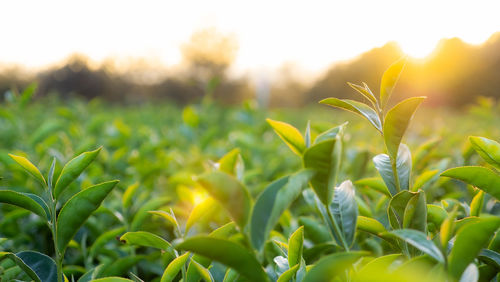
(227, 252)
(396, 122)
(26, 201)
(480, 177)
(73, 169)
(469, 241)
(77, 209)
(146, 239)
(275, 199)
(398, 208)
(330, 267)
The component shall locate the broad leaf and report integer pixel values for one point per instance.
(471, 274)
(29, 167)
(480, 177)
(344, 209)
(289, 274)
(204, 273)
(488, 149)
(324, 159)
(73, 169)
(374, 183)
(476, 206)
(174, 267)
(26, 201)
(356, 107)
(271, 203)
(330, 267)
(227, 252)
(408, 210)
(419, 240)
(436, 215)
(292, 137)
(200, 211)
(77, 209)
(468, 243)
(230, 193)
(146, 239)
(403, 166)
(389, 80)
(396, 122)
(37, 266)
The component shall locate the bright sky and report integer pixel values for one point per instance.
(312, 34)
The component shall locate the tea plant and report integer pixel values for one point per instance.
(257, 213)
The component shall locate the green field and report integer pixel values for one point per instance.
(212, 192)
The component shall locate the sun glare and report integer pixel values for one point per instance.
(418, 50)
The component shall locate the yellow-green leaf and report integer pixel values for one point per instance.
(292, 137)
(30, 168)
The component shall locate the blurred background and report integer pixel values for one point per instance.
(279, 53)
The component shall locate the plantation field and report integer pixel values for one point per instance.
(211, 192)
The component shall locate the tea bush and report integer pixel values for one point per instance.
(209, 193)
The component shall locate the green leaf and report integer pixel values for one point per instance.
(77, 209)
(228, 162)
(345, 210)
(167, 216)
(174, 267)
(396, 122)
(330, 134)
(464, 251)
(205, 274)
(118, 267)
(389, 80)
(324, 159)
(436, 214)
(112, 279)
(365, 91)
(419, 240)
(490, 257)
(413, 217)
(271, 204)
(375, 183)
(289, 274)
(330, 267)
(356, 107)
(129, 195)
(26, 201)
(292, 137)
(476, 205)
(488, 149)
(378, 265)
(230, 193)
(73, 169)
(295, 247)
(143, 211)
(403, 166)
(231, 275)
(36, 265)
(480, 177)
(202, 210)
(104, 238)
(30, 168)
(307, 135)
(227, 252)
(423, 179)
(146, 239)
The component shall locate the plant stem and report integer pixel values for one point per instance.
(396, 176)
(336, 229)
(53, 229)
